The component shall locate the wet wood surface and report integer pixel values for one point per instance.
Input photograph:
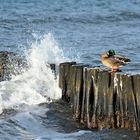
(101, 99)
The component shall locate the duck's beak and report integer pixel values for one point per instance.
(104, 55)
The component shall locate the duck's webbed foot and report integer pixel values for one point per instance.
(115, 70)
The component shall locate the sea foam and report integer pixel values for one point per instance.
(37, 84)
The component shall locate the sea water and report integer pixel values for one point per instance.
(47, 32)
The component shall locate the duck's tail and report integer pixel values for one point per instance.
(127, 60)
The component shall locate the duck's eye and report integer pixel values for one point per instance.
(111, 52)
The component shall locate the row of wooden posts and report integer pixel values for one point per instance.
(101, 99)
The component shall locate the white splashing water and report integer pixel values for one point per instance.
(37, 84)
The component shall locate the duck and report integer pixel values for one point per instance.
(114, 61)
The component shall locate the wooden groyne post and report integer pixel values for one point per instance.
(101, 99)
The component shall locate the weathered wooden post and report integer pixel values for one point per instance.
(64, 79)
(78, 90)
(136, 88)
(101, 99)
(76, 86)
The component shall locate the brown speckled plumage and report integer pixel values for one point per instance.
(114, 61)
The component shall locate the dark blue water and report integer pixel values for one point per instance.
(83, 29)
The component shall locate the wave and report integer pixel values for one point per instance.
(37, 84)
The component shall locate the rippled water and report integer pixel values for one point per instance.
(48, 31)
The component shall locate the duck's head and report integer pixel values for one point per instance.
(111, 52)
